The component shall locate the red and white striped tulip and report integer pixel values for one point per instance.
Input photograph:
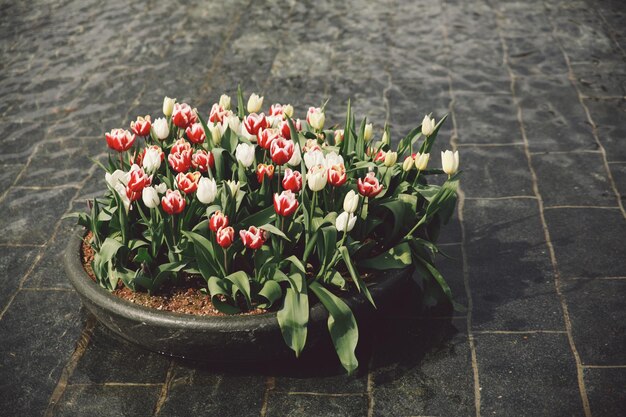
(369, 186)
(292, 180)
(252, 238)
(255, 122)
(217, 113)
(337, 175)
(263, 171)
(281, 151)
(195, 133)
(202, 160)
(266, 137)
(120, 140)
(285, 203)
(183, 115)
(138, 179)
(217, 221)
(173, 202)
(141, 127)
(188, 183)
(225, 236)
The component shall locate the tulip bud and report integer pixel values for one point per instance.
(368, 132)
(338, 136)
(216, 133)
(317, 178)
(450, 162)
(421, 161)
(385, 139)
(390, 158)
(225, 101)
(207, 190)
(315, 118)
(288, 110)
(428, 126)
(351, 202)
(245, 154)
(161, 128)
(407, 165)
(345, 222)
(150, 197)
(254, 103)
(168, 106)
(233, 186)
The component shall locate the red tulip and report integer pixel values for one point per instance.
(183, 115)
(195, 133)
(173, 202)
(337, 175)
(141, 127)
(252, 238)
(263, 171)
(369, 186)
(225, 236)
(286, 203)
(217, 221)
(180, 145)
(266, 137)
(380, 156)
(292, 180)
(132, 195)
(188, 183)
(255, 122)
(281, 151)
(138, 180)
(202, 160)
(180, 161)
(284, 128)
(217, 113)
(276, 109)
(120, 140)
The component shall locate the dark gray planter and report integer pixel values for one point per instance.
(214, 339)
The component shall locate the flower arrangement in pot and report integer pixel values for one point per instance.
(274, 213)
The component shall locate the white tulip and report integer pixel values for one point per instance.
(296, 158)
(168, 106)
(225, 101)
(288, 110)
(161, 128)
(317, 177)
(385, 139)
(234, 186)
(333, 159)
(150, 197)
(314, 157)
(390, 158)
(152, 160)
(161, 188)
(254, 103)
(216, 133)
(274, 121)
(407, 165)
(450, 162)
(428, 126)
(316, 119)
(345, 222)
(368, 132)
(245, 154)
(118, 177)
(351, 202)
(207, 190)
(421, 161)
(121, 191)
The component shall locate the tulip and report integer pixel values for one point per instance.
(119, 139)
(233, 122)
(183, 115)
(385, 139)
(216, 133)
(286, 203)
(141, 127)
(317, 177)
(188, 183)
(428, 126)
(311, 145)
(161, 128)
(314, 157)
(245, 154)
(390, 158)
(288, 110)
(281, 151)
(292, 180)
(337, 175)
(168, 106)
(150, 197)
(180, 145)
(266, 137)
(333, 159)
(345, 222)
(202, 160)
(369, 186)
(263, 171)
(217, 113)
(122, 192)
(225, 101)
(285, 131)
(180, 161)
(254, 103)
(234, 188)
(351, 202)
(152, 157)
(296, 158)
(225, 236)
(315, 118)
(173, 202)
(407, 165)
(161, 188)
(252, 238)
(138, 179)
(450, 162)
(217, 221)
(207, 190)
(421, 161)
(276, 110)
(117, 177)
(255, 122)
(368, 132)
(380, 156)
(339, 134)
(195, 133)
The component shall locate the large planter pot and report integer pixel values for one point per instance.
(214, 339)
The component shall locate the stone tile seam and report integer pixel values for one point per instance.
(503, 332)
(508, 197)
(579, 371)
(489, 145)
(604, 366)
(165, 387)
(611, 31)
(270, 385)
(580, 207)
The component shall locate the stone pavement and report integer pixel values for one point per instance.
(536, 92)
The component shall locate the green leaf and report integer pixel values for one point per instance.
(326, 245)
(397, 257)
(241, 110)
(407, 142)
(428, 143)
(356, 277)
(241, 281)
(274, 230)
(259, 218)
(272, 292)
(293, 318)
(218, 287)
(205, 255)
(342, 326)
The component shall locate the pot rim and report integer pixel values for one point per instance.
(99, 296)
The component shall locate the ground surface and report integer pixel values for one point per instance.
(536, 94)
